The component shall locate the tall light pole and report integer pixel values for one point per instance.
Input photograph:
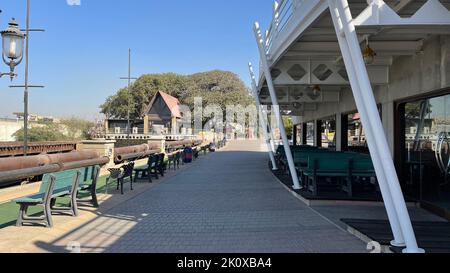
(26, 85)
(129, 78)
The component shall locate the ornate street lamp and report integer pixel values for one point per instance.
(13, 40)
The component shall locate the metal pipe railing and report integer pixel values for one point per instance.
(21, 174)
(17, 175)
(135, 156)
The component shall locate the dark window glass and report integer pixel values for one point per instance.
(328, 131)
(427, 150)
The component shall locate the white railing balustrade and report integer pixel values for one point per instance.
(283, 10)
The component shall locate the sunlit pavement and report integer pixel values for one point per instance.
(224, 202)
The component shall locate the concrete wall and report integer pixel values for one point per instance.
(8, 128)
(409, 76)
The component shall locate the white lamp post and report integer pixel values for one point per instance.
(13, 40)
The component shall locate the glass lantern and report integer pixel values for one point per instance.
(13, 40)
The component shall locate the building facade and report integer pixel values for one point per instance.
(371, 77)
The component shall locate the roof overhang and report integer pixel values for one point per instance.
(303, 50)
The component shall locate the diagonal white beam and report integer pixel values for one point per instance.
(276, 106)
(262, 118)
(382, 180)
(379, 148)
(401, 5)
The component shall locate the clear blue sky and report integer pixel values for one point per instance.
(84, 49)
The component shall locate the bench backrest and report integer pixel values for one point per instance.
(329, 164)
(301, 158)
(89, 174)
(128, 169)
(161, 158)
(49, 182)
(362, 164)
(63, 180)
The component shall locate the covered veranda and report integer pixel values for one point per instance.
(327, 58)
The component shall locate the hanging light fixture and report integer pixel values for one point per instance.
(13, 40)
(369, 54)
(316, 90)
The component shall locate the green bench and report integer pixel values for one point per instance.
(148, 170)
(174, 159)
(53, 186)
(88, 184)
(329, 166)
(281, 155)
(338, 165)
(57, 185)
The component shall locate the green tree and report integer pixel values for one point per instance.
(48, 132)
(215, 87)
(289, 125)
(76, 128)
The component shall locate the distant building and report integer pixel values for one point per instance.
(162, 117)
(164, 110)
(8, 127)
(37, 118)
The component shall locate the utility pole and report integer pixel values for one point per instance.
(26, 85)
(129, 78)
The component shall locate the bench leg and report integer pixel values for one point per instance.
(94, 198)
(121, 185)
(22, 215)
(149, 174)
(136, 176)
(131, 182)
(74, 205)
(52, 203)
(350, 186)
(315, 190)
(106, 186)
(48, 215)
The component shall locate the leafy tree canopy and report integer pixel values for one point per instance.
(215, 87)
(67, 130)
(288, 125)
(48, 132)
(76, 128)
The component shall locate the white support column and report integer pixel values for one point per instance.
(262, 118)
(272, 127)
(276, 106)
(388, 123)
(379, 148)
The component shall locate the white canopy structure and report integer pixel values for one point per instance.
(317, 53)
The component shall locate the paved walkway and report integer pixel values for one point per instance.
(225, 202)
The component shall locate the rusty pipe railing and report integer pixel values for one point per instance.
(132, 149)
(21, 174)
(135, 156)
(17, 175)
(180, 144)
(26, 162)
(85, 163)
(119, 153)
(73, 156)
